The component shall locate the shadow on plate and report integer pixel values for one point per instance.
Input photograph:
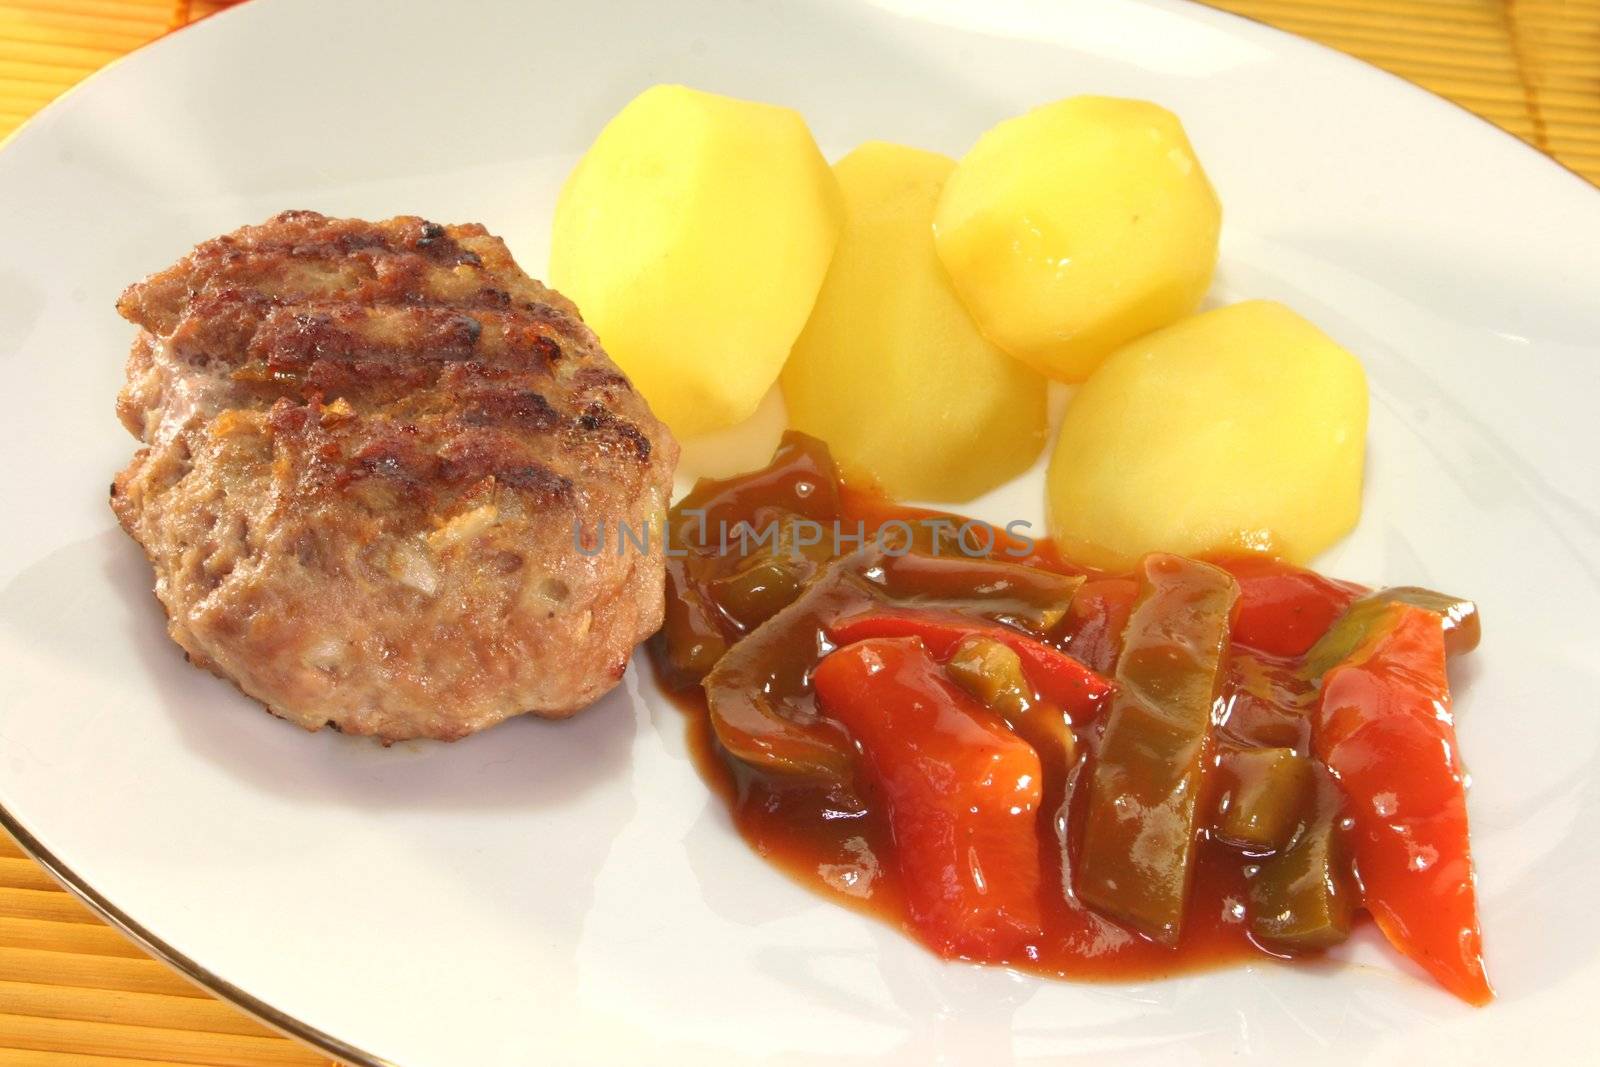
(115, 627)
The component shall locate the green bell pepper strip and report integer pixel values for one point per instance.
(1137, 857)
(1459, 617)
(1302, 899)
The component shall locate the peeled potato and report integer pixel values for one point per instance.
(1077, 227)
(693, 236)
(891, 371)
(1240, 429)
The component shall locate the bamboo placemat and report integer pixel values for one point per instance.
(73, 991)
(1530, 66)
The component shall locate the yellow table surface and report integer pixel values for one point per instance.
(73, 991)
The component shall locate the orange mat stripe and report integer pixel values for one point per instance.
(75, 992)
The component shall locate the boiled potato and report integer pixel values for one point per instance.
(891, 371)
(1077, 227)
(693, 236)
(1240, 429)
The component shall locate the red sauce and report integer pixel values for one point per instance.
(835, 838)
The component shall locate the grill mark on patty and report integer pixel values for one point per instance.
(393, 355)
(378, 355)
(297, 336)
(597, 420)
(522, 407)
(544, 485)
(402, 457)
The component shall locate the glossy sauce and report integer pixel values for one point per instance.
(835, 837)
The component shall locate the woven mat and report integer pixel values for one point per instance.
(73, 991)
(1531, 66)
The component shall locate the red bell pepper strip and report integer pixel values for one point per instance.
(961, 790)
(1384, 729)
(1059, 678)
(1283, 610)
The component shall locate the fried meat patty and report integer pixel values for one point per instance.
(367, 450)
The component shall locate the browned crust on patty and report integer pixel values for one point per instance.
(367, 448)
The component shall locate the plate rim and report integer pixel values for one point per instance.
(69, 879)
(190, 969)
(290, 1025)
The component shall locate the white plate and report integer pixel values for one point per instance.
(570, 893)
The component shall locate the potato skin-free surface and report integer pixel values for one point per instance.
(1077, 227)
(1243, 428)
(890, 370)
(693, 237)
